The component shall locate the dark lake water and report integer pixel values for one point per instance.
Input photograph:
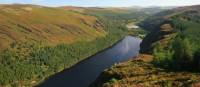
(85, 72)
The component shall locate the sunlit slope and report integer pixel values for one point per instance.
(21, 23)
(141, 73)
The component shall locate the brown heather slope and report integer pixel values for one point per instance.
(21, 23)
(96, 9)
(141, 73)
(72, 8)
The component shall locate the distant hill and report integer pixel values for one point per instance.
(21, 23)
(162, 27)
(167, 15)
(147, 10)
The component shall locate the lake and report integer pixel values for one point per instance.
(85, 72)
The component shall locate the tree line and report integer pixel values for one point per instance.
(183, 52)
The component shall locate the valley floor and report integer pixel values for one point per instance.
(141, 73)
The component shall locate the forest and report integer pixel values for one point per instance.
(183, 51)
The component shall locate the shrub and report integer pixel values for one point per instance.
(183, 55)
(162, 57)
(197, 60)
(179, 55)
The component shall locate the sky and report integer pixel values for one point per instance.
(104, 3)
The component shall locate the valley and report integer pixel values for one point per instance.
(99, 46)
(38, 42)
(169, 53)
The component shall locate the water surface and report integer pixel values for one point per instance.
(85, 72)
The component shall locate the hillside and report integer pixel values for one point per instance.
(173, 50)
(37, 42)
(140, 73)
(20, 23)
(164, 26)
(151, 23)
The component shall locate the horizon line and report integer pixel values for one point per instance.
(98, 6)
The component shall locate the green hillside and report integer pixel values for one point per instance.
(173, 50)
(176, 19)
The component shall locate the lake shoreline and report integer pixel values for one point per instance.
(92, 66)
(83, 60)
